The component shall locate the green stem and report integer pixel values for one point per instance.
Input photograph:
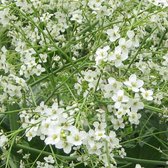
(27, 148)
(142, 161)
(155, 109)
(58, 70)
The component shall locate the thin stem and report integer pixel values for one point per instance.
(28, 148)
(142, 161)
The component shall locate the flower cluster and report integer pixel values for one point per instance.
(80, 81)
(57, 126)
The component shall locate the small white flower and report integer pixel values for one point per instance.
(113, 33)
(95, 149)
(101, 55)
(65, 146)
(77, 16)
(3, 140)
(134, 84)
(43, 58)
(124, 46)
(4, 17)
(135, 104)
(146, 94)
(30, 133)
(130, 34)
(95, 5)
(134, 118)
(138, 166)
(76, 137)
(53, 136)
(119, 98)
(120, 113)
(38, 70)
(117, 57)
(117, 123)
(49, 159)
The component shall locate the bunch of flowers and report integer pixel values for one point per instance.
(83, 83)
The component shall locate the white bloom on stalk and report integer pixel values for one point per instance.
(49, 159)
(133, 83)
(76, 137)
(117, 56)
(4, 17)
(111, 87)
(53, 136)
(31, 133)
(130, 34)
(43, 58)
(101, 55)
(39, 69)
(120, 112)
(65, 146)
(119, 98)
(95, 4)
(117, 123)
(132, 38)
(113, 33)
(147, 94)
(134, 118)
(135, 104)
(3, 140)
(138, 166)
(95, 149)
(124, 46)
(163, 3)
(113, 141)
(165, 62)
(77, 16)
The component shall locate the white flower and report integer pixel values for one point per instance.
(89, 75)
(130, 34)
(32, 132)
(165, 62)
(4, 17)
(44, 127)
(134, 118)
(53, 136)
(101, 55)
(134, 84)
(3, 140)
(78, 88)
(76, 137)
(119, 98)
(164, 3)
(120, 112)
(113, 141)
(49, 159)
(117, 123)
(113, 33)
(95, 149)
(124, 46)
(111, 87)
(43, 58)
(138, 166)
(95, 4)
(65, 146)
(38, 70)
(135, 104)
(77, 16)
(22, 164)
(118, 57)
(146, 94)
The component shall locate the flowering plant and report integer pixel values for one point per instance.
(83, 83)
